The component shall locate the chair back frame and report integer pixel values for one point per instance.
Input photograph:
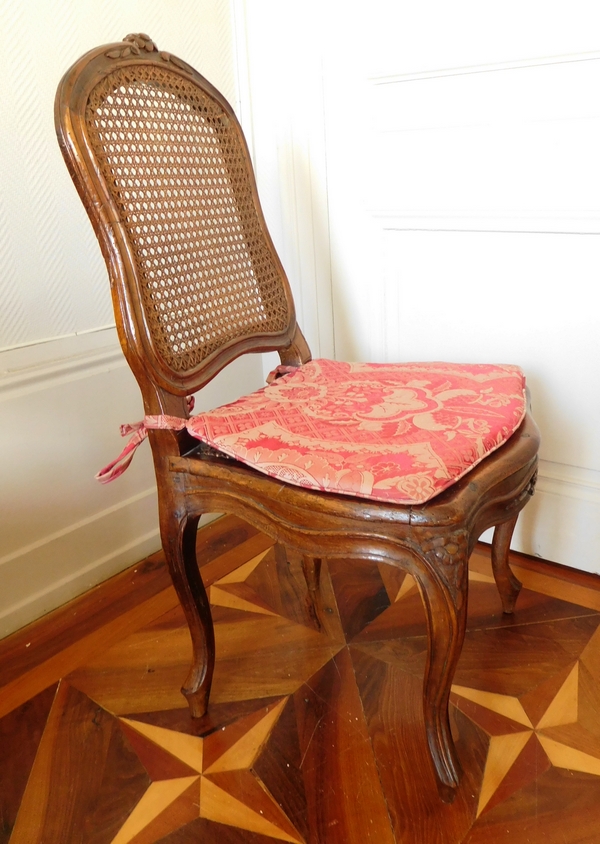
(106, 205)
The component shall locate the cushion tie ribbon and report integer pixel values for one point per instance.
(139, 431)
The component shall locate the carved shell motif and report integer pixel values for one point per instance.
(137, 43)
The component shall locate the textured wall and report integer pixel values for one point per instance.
(64, 384)
(53, 280)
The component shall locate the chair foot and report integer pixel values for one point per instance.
(447, 794)
(197, 700)
(179, 543)
(508, 585)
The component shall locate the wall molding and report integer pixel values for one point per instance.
(46, 376)
(90, 542)
(495, 67)
(509, 222)
(569, 481)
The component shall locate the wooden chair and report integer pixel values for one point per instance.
(160, 162)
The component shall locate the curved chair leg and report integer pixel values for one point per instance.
(508, 585)
(446, 610)
(179, 543)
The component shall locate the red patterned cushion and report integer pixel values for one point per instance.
(399, 433)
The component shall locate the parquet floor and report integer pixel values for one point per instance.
(315, 732)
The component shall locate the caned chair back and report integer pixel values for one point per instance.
(162, 166)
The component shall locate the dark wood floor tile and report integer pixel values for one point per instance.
(232, 615)
(20, 735)
(485, 608)
(392, 578)
(124, 781)
(333, 736)
(472, 746)
(159, 764)
(589, 699)
(538, 650)
(404, 619)
(266, 656)
(579, 738)
(218, 716)
(558, 807)
(172, 619)
(536, 702)
(279, 767)
(590, 656)
(392, 703)
(242, 596)
(141, 672)
(360, 594)
(202, 831)
(265, 581)
(221, 536)
(68, 772)
(493, 723)
(410, 655)
(219, 741)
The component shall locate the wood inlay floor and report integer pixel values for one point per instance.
(315, 732)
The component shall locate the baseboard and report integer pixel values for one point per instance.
(41, 576)
(91, 542)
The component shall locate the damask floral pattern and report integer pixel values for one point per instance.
(400, 433)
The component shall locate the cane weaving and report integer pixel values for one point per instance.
(175, 166)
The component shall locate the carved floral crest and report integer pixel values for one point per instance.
(137, 43)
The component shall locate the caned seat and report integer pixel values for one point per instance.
(404, 465)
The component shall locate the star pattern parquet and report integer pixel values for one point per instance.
(315, 732)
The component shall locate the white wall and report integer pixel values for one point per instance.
(431, 176)
(64, 385)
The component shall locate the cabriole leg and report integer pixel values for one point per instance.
(179, 543)
(445, 603)
(508, 585)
